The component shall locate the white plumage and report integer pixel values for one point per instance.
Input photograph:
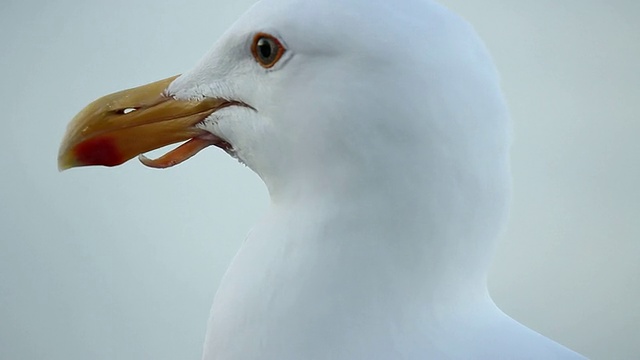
(383, 138)
(382, 135)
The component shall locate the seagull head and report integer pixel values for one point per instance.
(325, 98)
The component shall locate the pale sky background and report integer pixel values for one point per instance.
(122, 263)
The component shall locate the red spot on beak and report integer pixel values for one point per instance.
(98, 151)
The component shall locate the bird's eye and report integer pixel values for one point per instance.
(267, 50)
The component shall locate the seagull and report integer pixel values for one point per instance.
(382, 135)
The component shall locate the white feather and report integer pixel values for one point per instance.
(383, 138)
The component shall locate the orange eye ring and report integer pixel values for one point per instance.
(267, 50)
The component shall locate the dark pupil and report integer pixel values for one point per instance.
(264, 48)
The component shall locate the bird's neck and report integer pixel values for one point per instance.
(358, 256)
(425, 226)
(349, 270)
(394, 243)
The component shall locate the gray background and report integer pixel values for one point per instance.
(123, 263)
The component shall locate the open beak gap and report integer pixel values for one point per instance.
(181, 153)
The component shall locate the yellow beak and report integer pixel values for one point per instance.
(120, 126)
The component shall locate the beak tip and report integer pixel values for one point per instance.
(66, 158)
(63, 167)
(64, 163)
